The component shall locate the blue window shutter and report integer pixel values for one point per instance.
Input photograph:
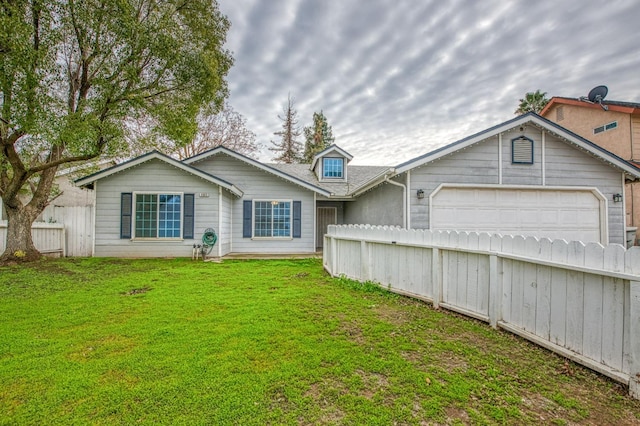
(188, 222)
(126, 199)
(246, 218)
(297, 219)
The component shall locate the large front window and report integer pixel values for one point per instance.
(158, 215)
(272, 219)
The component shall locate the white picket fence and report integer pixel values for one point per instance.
(68, 231)
(581, 301)
(49, 238)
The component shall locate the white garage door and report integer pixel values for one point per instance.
(572, 214)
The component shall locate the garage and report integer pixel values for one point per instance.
(573, 214)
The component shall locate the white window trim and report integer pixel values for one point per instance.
(133, 216)
(334, 179)
(253, 219)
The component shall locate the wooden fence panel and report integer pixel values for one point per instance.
(78, 223)
(543, 292)
(47, 237)
(581, 301)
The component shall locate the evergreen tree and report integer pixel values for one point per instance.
(318, 137)
(532, 102)
(288, 148)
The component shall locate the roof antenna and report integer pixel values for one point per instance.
(597, 95)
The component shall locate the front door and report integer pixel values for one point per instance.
(325, 216)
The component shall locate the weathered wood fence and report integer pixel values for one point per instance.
(581, 301)
(78, 224)
(49, 238)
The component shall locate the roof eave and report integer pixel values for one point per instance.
(507, 125)
(88, 180)
(292, 179)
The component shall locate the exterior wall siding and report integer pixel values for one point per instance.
(153, 175)
(260, 185)
(564, 166)
(381, 206)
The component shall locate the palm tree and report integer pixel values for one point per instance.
(532, 102)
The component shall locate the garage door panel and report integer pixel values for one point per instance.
(568, 214)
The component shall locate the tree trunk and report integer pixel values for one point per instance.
(20, 247)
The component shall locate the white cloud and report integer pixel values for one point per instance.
(396, 79)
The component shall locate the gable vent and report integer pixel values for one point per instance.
(522, 150)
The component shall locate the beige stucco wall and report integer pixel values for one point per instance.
(582, 121)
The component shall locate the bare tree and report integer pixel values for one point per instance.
(227, 128)
(288, 147)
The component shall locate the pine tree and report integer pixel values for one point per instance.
(288, 147)
(318, 137)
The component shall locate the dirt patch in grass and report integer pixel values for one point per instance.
(457, 415)
(135, 291)
(353, 331)
(393, 315)
(372, 383)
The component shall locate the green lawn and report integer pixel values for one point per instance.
(110, 341)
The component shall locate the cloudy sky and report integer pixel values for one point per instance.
(398, 78)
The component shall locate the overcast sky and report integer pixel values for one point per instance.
(398, 78)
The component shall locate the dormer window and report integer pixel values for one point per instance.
(333, 168)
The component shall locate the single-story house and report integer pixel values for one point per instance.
(525, 176)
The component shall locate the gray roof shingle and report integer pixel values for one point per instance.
(357, 176)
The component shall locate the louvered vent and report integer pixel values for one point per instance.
(522, 150)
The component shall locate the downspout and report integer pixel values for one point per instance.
(404, 198)
(93, 217)
(544, 158)
(408, 200)
(220, 202)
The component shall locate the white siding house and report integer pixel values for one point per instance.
(526, 176)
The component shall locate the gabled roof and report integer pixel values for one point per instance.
(255, 163)
(328, 150)
(358, 177)
(535, 119)
(155, 155)
(625, 107)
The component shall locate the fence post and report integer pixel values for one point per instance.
(632, 266)
(495, 281)
(334, 258)
(436, 276)
(495, 290)
(365, 265)
(634, 336)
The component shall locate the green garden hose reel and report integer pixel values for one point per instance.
(209, 239)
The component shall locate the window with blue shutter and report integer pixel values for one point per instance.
(246, 218)
(125, 214)
(297, 219)
(189, 219)
(272, 219)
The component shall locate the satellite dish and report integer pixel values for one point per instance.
(597, 94)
